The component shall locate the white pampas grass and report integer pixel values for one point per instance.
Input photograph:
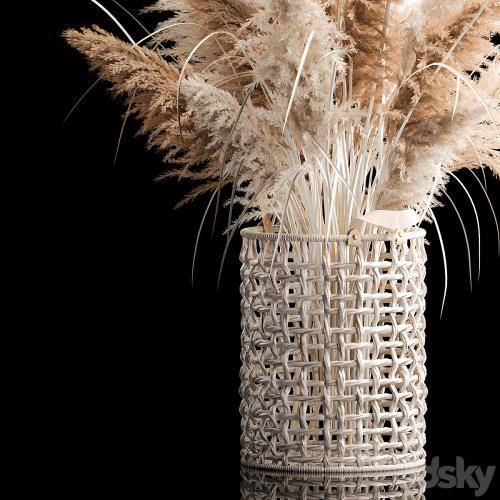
(315, 112)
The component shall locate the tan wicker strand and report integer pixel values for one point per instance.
(333, 373)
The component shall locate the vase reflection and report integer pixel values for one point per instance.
(260, 484)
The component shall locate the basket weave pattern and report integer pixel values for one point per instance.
(333, 374)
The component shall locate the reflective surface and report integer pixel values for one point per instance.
(258, 484)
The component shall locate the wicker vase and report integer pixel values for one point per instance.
(333, 375)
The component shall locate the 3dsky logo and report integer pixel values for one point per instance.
(459, 476)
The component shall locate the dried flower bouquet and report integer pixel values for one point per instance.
(321, 115)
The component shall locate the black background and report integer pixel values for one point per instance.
(139, 377)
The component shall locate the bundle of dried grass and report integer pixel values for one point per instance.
(315, 111)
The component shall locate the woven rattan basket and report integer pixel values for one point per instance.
(333, 375)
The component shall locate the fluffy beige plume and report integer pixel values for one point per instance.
(438, 26)
(296, 38)
(482, 146)
(442, 135)
(377, 47)
(202, 17)
(194, 21)
(253, 153)
(149, 86)
(458, 34)
(435, 144)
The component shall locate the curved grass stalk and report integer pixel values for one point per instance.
(113, 18)
(164, 28)
(488, 199)
(485, 183)
(475, 213)
(445, 262)
(122, 130)
(131, 15)
(140, 42)
(476, 152)
(467, 82)
(297, 78)
(85, 94)
(466, 29)
(469, 260)
(198, 236)
(481, 163)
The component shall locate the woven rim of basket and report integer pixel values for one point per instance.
(341, 470)
(256, 233)
(396, 472)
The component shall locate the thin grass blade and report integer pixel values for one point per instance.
(476, 215)
(469, 259)
(445, 262)
(297, 79)
(195, 251)
(113, 18)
